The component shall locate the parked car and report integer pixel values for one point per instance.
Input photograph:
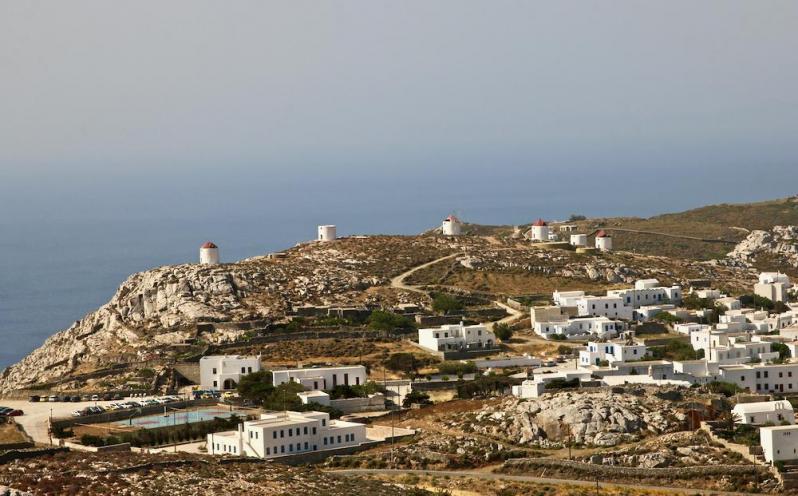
(77, 413)
(34, 398)
(15, 413)
(95, 397)
(75, 399)
(52, 398)
(85, 397)
(4, 410)
(550, 363)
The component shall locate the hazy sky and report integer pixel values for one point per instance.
(139, 107)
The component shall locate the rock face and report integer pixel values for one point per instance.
(780, 243)
(598, 418)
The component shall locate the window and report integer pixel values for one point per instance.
(306, 445)
(243, 370)
(325, 441)
(282, 434)
(274, 434)
(305, 430)
(290, 432)
(291, 448)
(314, 431)
(339, 439)
(268, 450)
(299, 446)
(214, 370)
(282, 449)
(323, 422)
(215, 384)
(766, 374)
(357, 381)
(249, 370)
(346, 379)
(758, 374)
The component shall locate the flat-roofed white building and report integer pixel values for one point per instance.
(567, 298)
(764, 412)
(224, 372)
(456, 337)
(601, 327)
(761, 377)
(530, 388)
(779, 442)
(648, 292)
(690, 327)
(608, 306)
(773, 286)
(648, 312)
(322, 378)
(611, 351)
(286, 433)
(729, 302)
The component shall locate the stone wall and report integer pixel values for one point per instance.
(24, 454)
(594, 471)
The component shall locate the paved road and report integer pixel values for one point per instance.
(398, 282)
(528, 478)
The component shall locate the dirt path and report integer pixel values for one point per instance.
(528, 478)
(515, 315)
(398, 282)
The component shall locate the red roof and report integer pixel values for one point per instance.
(208, 244)
(602, 234)
(540, 222)
(452, 218)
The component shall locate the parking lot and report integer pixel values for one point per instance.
(36, 415)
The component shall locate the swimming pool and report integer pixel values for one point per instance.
(172, 417)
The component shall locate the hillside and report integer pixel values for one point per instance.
(708, 232)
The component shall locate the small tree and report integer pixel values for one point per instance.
(445, 304)
(503, 331)
(417, 397)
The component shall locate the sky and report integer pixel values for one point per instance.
(204, 108)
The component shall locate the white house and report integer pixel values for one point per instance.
(773, 286)
(611, 351)
(603, 241)
(761, 377)
(763, 412)
(779, 442)
(326, 233)
(540, 230)
(579, 327)
(648, 312)
(223, 372)
(286, 433)
(308, 397)
(648, 292)
(567, 298)
(608, 306)
(456, 337)
(452, 226)
(322, 378)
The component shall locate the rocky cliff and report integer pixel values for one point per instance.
(163, 305)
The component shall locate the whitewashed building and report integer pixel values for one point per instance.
(612, 307)
(326, 233)
(224, 372)
(451, 226)
(322, 378)
(456, 337)
(764, 412)
(540, 231)
(209, 254)
(599, 327)
(611, 351)
(603, 241)
(579, 240)
(530, 388)
(648, 292)
(773, 286)
(779, 442)
(567, 298)
(286, 433)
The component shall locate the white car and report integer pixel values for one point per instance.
(77, 413)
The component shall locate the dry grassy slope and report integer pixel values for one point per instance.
(729, 222)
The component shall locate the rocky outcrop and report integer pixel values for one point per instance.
(162, 306)
(780, 243)
(598, 418)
